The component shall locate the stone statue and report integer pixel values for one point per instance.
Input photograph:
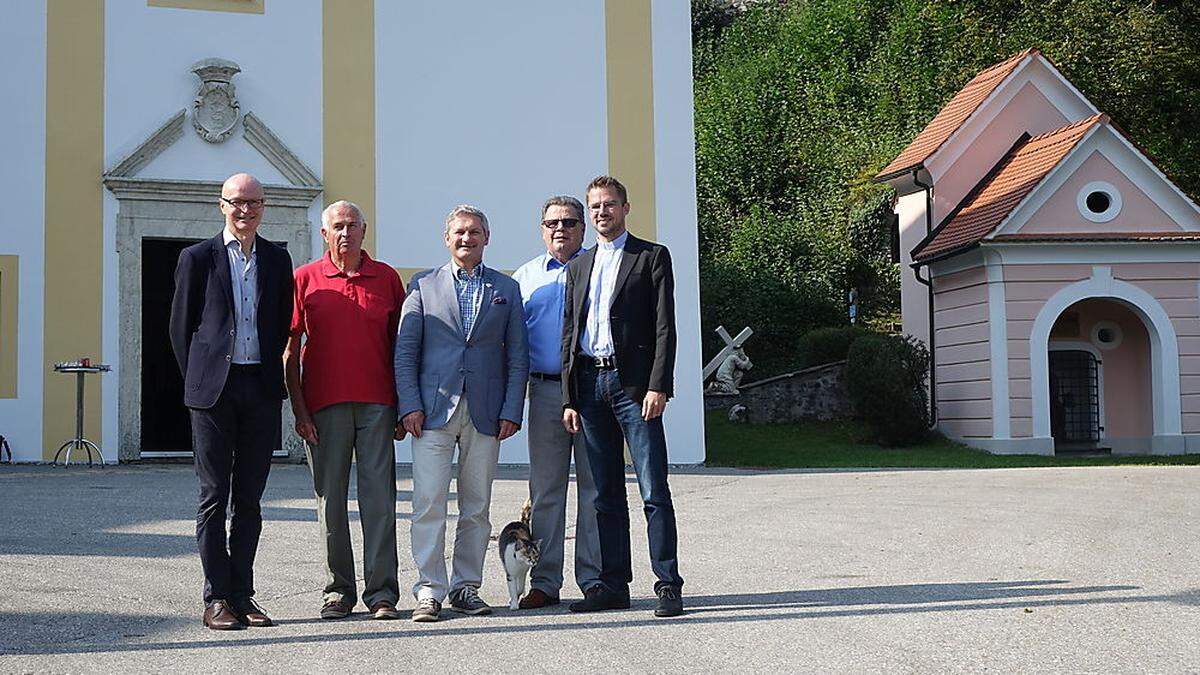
(730, 373)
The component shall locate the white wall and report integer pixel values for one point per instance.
(23, 173)
(675, 187)
(481, 104)
(149, 52)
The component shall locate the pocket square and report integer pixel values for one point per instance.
(499, 300)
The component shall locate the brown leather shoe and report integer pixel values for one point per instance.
(218, 615)
(250, 613)
(336, 609)
(384, 609)
(536, 599)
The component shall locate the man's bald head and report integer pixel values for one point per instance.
(242, 204)
(241, 181)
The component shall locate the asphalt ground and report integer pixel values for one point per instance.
(1017, 570)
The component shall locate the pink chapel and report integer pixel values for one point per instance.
(1053, 270)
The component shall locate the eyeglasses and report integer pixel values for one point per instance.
(564, 223)
(244, 203)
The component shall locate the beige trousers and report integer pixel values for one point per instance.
(433, 455)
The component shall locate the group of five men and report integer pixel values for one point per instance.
(588, 334)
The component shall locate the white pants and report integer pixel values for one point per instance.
(433, 455)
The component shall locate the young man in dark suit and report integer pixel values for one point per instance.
(618, 372)
(229, 324)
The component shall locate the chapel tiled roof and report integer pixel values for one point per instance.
(1005, 186)
(952, 116)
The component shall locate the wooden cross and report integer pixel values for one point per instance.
(731, 344)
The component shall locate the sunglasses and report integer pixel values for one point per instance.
(565, 223)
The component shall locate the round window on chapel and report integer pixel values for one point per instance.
(1098, 202)
(1106, 335)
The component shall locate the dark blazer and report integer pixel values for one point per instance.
(202, 318)
(642, 317)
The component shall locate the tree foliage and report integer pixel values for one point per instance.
(799, 103)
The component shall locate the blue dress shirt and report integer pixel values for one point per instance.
(543, 284)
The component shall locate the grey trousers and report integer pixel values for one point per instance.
(362, 431)
(550, 452)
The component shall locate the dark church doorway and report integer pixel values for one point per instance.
(166, 427)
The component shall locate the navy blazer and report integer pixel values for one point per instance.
(202, 318)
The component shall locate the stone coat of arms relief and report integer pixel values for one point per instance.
(215, 110)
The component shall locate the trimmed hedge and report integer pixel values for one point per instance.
(885, 376)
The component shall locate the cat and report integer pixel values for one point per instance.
(519, 552)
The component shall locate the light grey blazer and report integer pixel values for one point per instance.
(434, 361)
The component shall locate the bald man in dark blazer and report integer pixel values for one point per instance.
(229, 324)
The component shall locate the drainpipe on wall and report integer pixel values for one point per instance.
(928, 283)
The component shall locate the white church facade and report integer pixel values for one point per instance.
(132, 112)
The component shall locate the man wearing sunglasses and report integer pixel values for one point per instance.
(543, 290)
(229, 324)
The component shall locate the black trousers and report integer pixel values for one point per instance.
(233, 442)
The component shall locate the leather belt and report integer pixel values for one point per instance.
(553, 377)
(601, 362)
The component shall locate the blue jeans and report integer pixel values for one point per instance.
(609, 415)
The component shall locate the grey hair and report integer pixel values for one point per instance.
(466, 210)
(567, 201)
(342, 204)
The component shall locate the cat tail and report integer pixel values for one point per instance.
(526, 511)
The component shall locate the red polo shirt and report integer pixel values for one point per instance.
(350, 321)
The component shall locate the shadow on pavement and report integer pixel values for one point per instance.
(704, 609)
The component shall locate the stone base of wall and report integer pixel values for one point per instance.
(817, 393)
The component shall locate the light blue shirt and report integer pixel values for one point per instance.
(243, 275)
(543, 282)
(597, 333)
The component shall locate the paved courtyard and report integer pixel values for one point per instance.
(1068, 570)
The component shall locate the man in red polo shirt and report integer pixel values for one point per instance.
(343, 395)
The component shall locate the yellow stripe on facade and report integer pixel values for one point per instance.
(239, 6)
(628, 49)
(10, 281)
(348, 72)
(73, 209)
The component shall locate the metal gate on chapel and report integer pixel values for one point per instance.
(1074, 397)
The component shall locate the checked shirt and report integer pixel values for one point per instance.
(469, 288)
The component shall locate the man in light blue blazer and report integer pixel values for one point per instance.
(462, 362)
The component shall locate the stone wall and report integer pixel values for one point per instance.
(813, 393)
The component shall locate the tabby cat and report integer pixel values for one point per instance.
(519, 552)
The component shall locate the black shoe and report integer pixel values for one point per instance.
(670, 602)
(599, 598)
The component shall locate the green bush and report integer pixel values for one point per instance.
(826, 345)
(885, 376)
